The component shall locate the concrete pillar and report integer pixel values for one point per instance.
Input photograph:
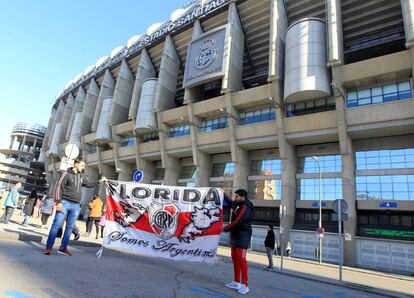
(103, 130)
(348, 182)
(122, 95)
(146, 166)
(287, 154)
(278, 28)
(194, 94)
(11, 142)
(49, 132)
(34, 145)
(106, 90)
(335, 35)
(145, 70)
(89, 107)
(167, 78)
(169, 163)
(66, 117)
(233, 57)
(407, 7)
(239, 155)
(77, 107)
(172, 170)
(204, 169)
(56, 119)
(22, 144)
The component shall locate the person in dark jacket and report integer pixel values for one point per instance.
(240, 234)
(270, 245)
(68, 197)
(29, 205)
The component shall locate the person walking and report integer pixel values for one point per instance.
(288, 249)
(10, 203)
(240, 234)
(270, 245)
(102, 221)
(94, 216)
(29, 207)
(46, 208)
(4, 195)
(68, 197)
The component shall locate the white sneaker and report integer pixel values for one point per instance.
(243, 289)
(233, 285)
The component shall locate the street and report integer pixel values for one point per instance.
(26, 272)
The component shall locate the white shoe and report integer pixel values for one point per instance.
(233, 285)
(243, 289)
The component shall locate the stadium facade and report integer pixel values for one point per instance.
(264, 95)
(20, 161)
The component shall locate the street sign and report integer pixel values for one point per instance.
(65, 163)
(388, 204)
(316, 204)
(138, 175)
(344, 205)
(71, 151)
(344, 216)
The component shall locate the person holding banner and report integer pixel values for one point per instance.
(240, 234)
(68, 197)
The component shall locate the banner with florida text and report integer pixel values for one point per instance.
(172, 222)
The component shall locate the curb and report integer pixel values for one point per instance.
(348, 285)
(400, 276)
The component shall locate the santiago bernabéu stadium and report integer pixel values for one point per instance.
(294, 100)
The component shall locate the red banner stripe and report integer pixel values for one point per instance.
(184, 218)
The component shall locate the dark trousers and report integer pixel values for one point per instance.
(44, 218)
(5, 218)
(89, 223)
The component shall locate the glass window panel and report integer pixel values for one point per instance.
(390, 88)
(404, 86)
(352, 95)
(376, 91)
(364, 93)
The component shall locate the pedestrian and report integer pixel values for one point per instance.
(288, 249)
(277, 250)
(95, 214)
(46, 209)
(240, 234)
(4, 195)
(36, 209)
(10, 203)
(67, 197)
(102, 221)
(29, 206)
(270, 245)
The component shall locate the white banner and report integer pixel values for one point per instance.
(164, 221)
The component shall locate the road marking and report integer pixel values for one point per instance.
(16, 294)
(209, 292)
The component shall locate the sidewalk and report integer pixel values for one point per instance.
(386, 284)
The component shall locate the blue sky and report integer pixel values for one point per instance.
(46, 43)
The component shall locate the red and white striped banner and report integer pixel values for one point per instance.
(172, 222)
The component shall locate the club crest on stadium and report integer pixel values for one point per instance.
(207, 54)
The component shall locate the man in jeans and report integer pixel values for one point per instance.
(10, 203)
(68, 197)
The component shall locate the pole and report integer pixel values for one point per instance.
(341, 243)
(282, 232)
(320, 209)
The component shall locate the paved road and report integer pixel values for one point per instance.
(26, 272)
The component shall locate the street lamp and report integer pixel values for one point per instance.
(320, 208)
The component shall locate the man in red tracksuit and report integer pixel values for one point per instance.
(240, 235)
